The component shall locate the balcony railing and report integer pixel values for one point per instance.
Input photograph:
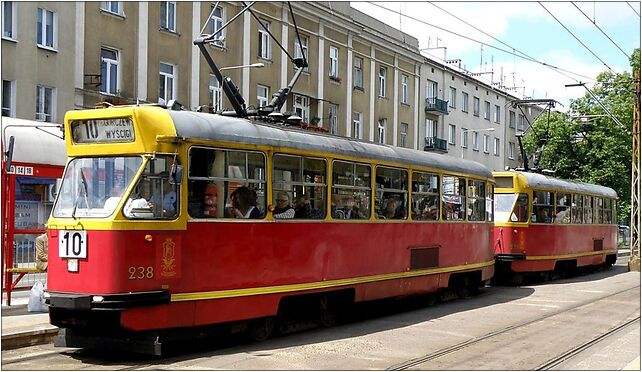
(436, 144)
(436, 105)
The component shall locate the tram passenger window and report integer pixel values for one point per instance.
(490, 203)
(598, 209)
(302, 181)
(350, 190)
(577, 212)
(608, 211)
(520, 211)
(391, 198)
(588, 209)
(542, 207)
(154, 197)
(214, 175)
(453, 198)
(425, 196)
(476, 200)
(562, 208)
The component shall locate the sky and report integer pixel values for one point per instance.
(530, 30)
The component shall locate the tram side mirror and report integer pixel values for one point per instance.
(176, 174)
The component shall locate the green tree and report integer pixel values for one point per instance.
(596, 150)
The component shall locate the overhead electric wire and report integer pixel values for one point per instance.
(598, 27)
(488, 45)
(576, 38)
(632, 8)
(532, 59)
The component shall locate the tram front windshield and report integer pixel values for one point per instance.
(93, 187)
(511, 207)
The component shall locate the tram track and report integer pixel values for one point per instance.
(477, 340)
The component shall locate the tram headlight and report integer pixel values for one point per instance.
(72, 265)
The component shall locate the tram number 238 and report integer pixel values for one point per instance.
(72, 244)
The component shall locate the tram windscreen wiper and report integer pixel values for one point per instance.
(83, 180)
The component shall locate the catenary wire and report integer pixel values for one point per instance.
(576, 38)
(632, 8)
(488, 45)
(598, 27)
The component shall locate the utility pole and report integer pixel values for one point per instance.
(636, 185)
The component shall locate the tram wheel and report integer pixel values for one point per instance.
(329, 312)
(261, 329)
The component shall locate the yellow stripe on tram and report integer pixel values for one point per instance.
(571, 255)
(319, 285)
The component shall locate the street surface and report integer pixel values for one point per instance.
(589, 322)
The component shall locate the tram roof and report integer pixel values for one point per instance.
(537, 180)
(222, 128)
(35, 142)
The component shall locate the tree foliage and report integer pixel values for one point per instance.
(595, 149)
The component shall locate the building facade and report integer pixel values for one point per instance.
(365, 80)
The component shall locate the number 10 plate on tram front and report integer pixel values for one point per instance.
(72, 244)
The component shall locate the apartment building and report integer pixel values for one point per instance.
(365, 80)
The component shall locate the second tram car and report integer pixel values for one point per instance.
(544, 224)
(172, 220)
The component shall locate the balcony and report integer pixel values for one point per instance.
(437, 106)
(436, 144)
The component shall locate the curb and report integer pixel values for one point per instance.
(29, 338)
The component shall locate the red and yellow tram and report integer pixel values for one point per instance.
(168, 221)
(544, 224)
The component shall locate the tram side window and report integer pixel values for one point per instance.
(588, 209)
(608, 211)
(476, 200)
(542, 207)
(154, 197)
(350, 190)
(391, 198)
(226, 183)
(425, 196)
(490, 203)
(598, 212)
(562, 208)
(576, 209)
(453, 198)
(302, 182)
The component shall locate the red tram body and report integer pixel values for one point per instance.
(544, 224)
(122, 274)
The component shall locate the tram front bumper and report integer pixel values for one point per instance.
(117, 301)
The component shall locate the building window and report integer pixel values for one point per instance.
(167, 87)
(356, 125)
(496, 146)
(486, 143)
(464, 137)
(452, 99)
(262, 94)
(475, 141)
(216, 23)
(333, 116)
(464, 102)
(404, 89)
(511, 150)
(8, 17)
(452, 132)
(299, 46)
(497, 112)
(486, 110)
(109, 82)
(358, 72)
(46, 28)
(475, 106)
(431, 128)
(403, 140)
(8, 99)
(431, 89)
(334, 62)
(216, 94)
(382, 131)
(302, 107)
(115, 7)
(511, 119)
(45, 103)
(168, 15)
(520, 123)
(382, 81)
(265, 45)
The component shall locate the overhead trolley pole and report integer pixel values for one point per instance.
(636, 185)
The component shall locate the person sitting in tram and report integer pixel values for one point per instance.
(303, 207)
(283, 208)
(140, 200)
(210, 199)
(244, 204)
(350, 210)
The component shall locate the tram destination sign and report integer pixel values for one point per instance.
(103, 130)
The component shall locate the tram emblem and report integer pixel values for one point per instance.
(169, 258)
